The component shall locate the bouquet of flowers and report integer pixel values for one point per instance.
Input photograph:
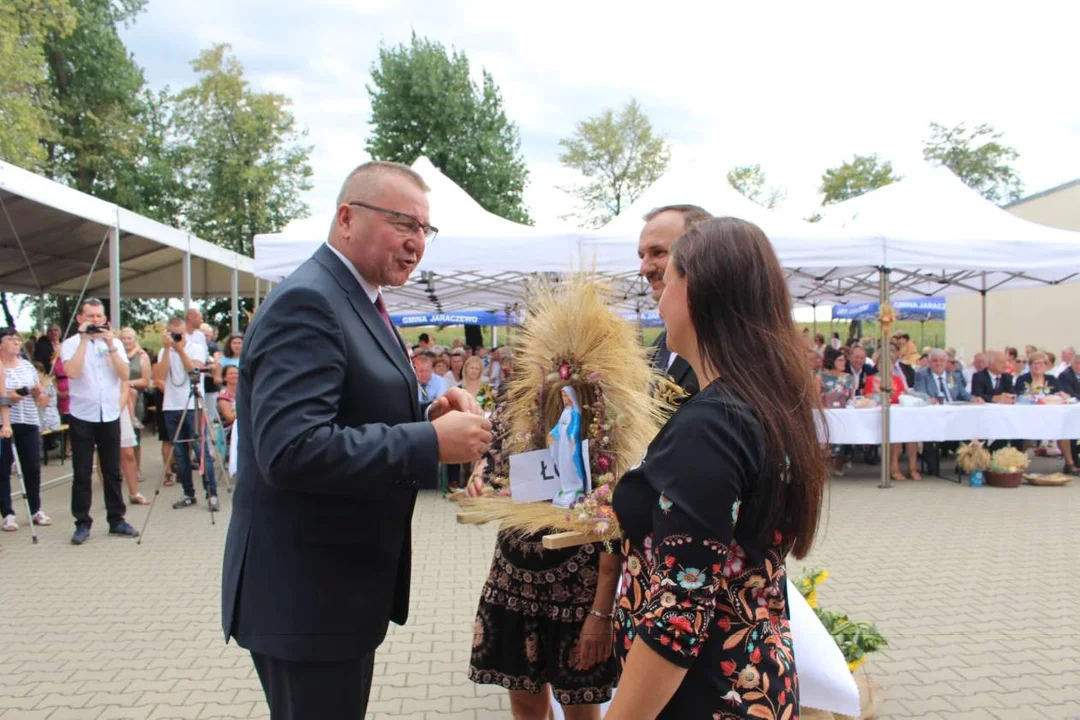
(855, 638)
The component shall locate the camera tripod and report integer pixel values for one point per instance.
(194, 404)
(22, 482)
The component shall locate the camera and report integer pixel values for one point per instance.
(177, 337)
(92, 329)
(24, 391)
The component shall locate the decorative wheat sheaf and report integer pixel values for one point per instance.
(570, 337)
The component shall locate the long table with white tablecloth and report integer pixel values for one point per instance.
(940, 423)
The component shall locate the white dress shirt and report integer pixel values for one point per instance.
(177, 385)
(371, 290)
(95, 394)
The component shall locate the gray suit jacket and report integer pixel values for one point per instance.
(332, 447)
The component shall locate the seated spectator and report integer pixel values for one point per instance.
(1067, 355)
(440, 366)
(936, 382)
(993, 383)
(978, 363)
(859, 368)
(431, 386)
(230, 350)
(1037, 381)
(1012, 356)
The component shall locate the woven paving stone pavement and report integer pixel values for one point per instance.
(976, 590)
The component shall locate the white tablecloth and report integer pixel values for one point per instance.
(939, 423)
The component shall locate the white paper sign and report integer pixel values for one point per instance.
(533, 477)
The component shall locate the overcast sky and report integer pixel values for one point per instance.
(795, 86)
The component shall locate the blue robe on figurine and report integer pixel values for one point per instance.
(567, 454)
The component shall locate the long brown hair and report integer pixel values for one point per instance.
(740, 307)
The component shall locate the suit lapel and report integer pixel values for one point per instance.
(389, 341)
(678, 371)
(661, 354)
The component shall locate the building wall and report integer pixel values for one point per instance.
(1060, 209)
(1044, 317)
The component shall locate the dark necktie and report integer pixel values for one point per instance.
(381, 307)
(941, 386)
(997, 385)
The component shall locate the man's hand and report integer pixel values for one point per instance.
(454, 399)
(463, 437)
(978, 401)
(106, 335)
(6, 432)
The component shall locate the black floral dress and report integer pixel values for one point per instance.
(696, 587)
(532, 608)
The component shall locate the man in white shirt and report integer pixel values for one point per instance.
(1067, 355)
(193, 323)
(180, 356)
(431, 386)
(97, 367)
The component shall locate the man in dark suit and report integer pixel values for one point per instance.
(332, 447)
(994, 384)
(663, 226)
(858, 368)
(1069, 378)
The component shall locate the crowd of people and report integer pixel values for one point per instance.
(846, 374)
(102, 388)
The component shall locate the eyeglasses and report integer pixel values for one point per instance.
(403, 221)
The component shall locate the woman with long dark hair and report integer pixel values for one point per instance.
(731, 485)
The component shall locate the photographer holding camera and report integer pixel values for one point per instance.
(180, 363)
(96, 366)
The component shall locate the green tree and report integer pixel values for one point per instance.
(25, 112)
(244, 165)
(424, 102)
(96, 92)
(620, 155)
(851, 179)
(137, 313)
(750, 181)
(977, 157)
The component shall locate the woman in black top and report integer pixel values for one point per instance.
(729, 487)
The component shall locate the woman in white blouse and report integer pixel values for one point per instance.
(23, 390)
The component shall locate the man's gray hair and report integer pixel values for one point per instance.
(372, 170)
(691, 214)
(938, 352)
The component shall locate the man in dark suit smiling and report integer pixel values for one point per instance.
(663, 226)
(332, 446)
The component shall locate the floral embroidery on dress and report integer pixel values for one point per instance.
(665, 504)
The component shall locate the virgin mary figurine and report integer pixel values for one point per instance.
(566, 452)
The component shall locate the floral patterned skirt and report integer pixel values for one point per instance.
(531, 612)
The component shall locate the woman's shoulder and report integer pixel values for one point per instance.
(717, 408)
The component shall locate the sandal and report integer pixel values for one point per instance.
(898, 476)
(169, 482)
(40, 518)
(916, 476)
(138, 499)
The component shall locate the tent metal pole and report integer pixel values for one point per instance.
(814, 331)
(187, 276)
(235, 306)
(885, 371)
(114, 273)
(41, 313)
(983, 293)
(256, 294)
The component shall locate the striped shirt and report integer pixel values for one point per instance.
(22, 375)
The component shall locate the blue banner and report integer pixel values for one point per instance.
(465, 317)
(922, 309)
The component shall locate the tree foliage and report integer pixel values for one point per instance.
(424, 102)
(25, 102)
(620, 155)
(95, 86)
(750, 181)
(244, 166)
(978, 157)
(851, 179)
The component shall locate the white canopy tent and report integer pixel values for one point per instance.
(816, 258)
(940, 237)
(58, 240)
(478, 259)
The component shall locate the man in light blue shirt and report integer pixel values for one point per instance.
(432, 387)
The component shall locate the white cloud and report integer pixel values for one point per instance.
(795, 86)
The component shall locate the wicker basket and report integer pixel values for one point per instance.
(1052, 480)
(870, 694)
(1003, 480)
